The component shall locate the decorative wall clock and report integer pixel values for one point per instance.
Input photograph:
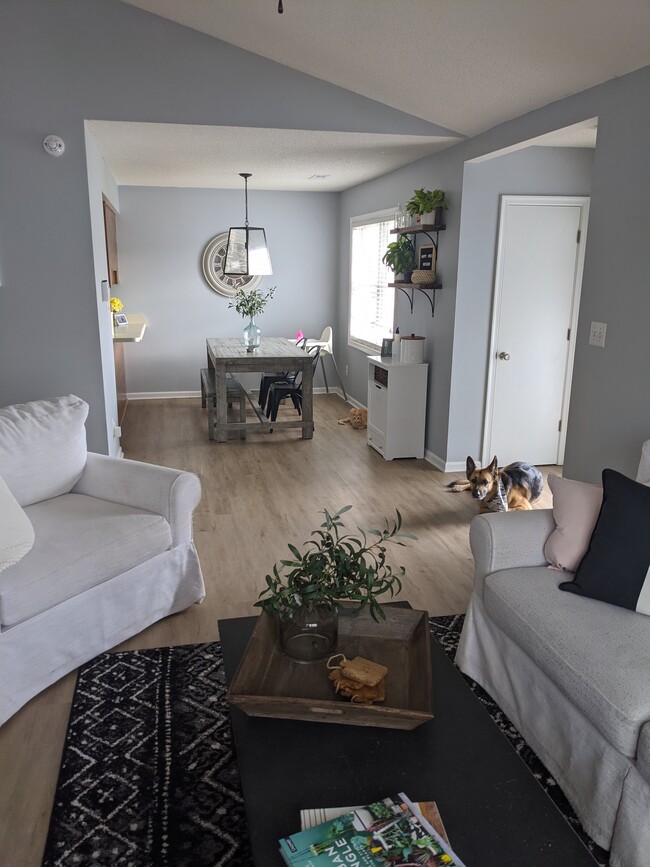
(212, 264)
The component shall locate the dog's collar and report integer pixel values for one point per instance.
(499, 502)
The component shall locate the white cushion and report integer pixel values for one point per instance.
(16, 531)
(575, 510)
(643, 474)
(596, 653)
(80, 542)
(43, 447)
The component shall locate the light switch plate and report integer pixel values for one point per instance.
(597, 334)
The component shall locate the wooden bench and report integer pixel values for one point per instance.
(235, 391)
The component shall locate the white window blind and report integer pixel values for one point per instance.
(371, 298)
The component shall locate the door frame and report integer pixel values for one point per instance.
(583, 203)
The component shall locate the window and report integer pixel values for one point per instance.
(371, 298)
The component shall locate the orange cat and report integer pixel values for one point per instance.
(358, 418)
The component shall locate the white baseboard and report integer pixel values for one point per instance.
(444, 466)
(169, 395)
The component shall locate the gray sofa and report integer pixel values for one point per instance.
(107, 547)
(572, 673)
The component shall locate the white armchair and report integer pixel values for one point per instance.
(112, 551)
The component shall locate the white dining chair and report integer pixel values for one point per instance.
(325, 342)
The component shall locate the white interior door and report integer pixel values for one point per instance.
(537, 289)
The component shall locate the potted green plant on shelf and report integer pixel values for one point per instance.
(427, 206)
(400, 257)
(249, 304)
(305, 593)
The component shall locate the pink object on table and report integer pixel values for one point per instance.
(299, 335)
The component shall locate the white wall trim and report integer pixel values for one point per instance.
(444, 466)
(170, 395)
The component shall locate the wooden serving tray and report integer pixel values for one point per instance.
(269, 684)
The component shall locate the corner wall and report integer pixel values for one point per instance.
(609, 415)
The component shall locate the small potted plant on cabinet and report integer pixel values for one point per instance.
(305, 592)
(400, 257)
(427, 206)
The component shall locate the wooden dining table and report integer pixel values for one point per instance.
(228, 355)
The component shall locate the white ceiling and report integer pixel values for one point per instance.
(464, 65)
(178, 155)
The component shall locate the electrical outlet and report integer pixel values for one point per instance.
(597, 334)
(346, 370)
(117, 431)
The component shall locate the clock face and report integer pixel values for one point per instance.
(214, 257)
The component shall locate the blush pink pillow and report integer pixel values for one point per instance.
(575, 509)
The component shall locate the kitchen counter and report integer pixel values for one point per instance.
(133, 332)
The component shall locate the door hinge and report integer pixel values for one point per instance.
(559, 425)
(579, 236)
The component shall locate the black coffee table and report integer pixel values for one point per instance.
(492, 807)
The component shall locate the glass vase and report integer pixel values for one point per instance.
(252, 336)
(310, 635)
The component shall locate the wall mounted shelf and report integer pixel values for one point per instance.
(425, 289)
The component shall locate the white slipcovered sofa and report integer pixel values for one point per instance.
(572, 673)
(99, 547)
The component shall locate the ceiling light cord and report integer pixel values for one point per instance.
(245, 176)
(280, 7)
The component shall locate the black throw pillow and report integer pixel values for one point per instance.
(616, 567)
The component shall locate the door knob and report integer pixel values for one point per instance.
(504, 356)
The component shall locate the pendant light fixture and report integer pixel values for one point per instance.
(247, 254)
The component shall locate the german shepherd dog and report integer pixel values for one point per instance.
(514, 487)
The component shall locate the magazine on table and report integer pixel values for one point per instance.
(392, 831)
(318, 815)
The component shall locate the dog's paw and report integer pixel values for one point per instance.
(457, 487)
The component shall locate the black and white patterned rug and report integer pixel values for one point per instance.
(149, 778)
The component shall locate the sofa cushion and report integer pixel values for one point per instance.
(643, 752)
(43, 447)
(616, 567)
(575, 511)
(643, 473)
(80, 542)
(595, 653)
(16, 531)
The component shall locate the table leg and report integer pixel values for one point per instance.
(308, 401)
(222, 403)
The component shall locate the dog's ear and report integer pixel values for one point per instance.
(470, 467)
(493, 468)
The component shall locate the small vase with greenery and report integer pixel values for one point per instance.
(250, 303)
(427, 205)
(400, 257)
(306, 592)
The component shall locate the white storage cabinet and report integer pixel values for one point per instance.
(397, 402)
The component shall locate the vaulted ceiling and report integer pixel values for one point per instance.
(463, 65)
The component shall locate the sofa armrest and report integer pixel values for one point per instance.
(174, 494)
(506, 540)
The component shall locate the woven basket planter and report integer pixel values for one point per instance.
(423, 278)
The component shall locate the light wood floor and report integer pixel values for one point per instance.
(257, 496)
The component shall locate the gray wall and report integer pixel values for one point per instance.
(102, 183)
(64, 62)
(609, 416)
(161, 237)
(532, 171)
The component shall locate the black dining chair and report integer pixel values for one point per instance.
(288, 376)
(279, 391)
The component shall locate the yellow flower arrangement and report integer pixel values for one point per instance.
(116, 305)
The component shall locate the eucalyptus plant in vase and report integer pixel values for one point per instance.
(305, 593)
(250, 303)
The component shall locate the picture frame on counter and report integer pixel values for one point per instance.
(120, 319)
